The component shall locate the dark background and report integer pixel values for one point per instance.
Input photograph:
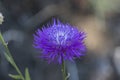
(100, 19)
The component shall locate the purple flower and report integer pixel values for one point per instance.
(60, 42)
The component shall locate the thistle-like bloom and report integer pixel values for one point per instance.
(60, 42)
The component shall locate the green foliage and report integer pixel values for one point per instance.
(16, 77)
(10, 59)
(27, 75)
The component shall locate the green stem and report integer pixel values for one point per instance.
(10, 56)
(64, 70)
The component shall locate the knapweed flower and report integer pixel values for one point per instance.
(59, 42)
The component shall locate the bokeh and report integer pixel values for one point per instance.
(100, 19)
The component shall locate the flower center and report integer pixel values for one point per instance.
(61, 37)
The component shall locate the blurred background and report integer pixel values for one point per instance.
(100, 19)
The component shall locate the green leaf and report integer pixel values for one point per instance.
(1, 38)
(27, 75)
(15, 76)
(8, 58)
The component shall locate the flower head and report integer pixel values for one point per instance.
(60, 42)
